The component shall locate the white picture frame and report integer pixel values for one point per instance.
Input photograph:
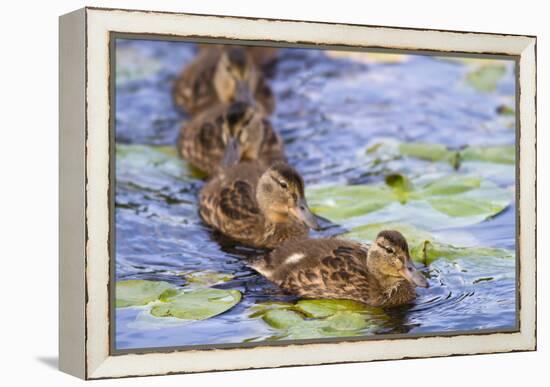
(85, 184)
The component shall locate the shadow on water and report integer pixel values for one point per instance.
(329, 111)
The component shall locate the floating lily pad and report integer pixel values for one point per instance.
(505, 154)
(325, 308)
(429, 251)
(486, 77)
(140, 292)
(425, 151)
(319, 318)
(197, 304)
(295, 326)
(259, 310)
(456, 196)
(154, 161)
(206, 278)
(346, 201)
(282, 318)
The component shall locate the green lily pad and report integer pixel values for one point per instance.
(307, 319)
(325, 307)
(425, 151)
(282, 318)
(486, 77)
(135, 160)
(259, 310)
(429, 251)
(206, 278)
(140, 292)
(197, 304)
(498, 154)
(456, 196)
(343, 202)
(346, 322)
(505, 154)
(295, 326)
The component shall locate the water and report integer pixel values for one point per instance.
(329, 111)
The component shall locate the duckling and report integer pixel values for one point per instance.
(261, 55)
(256, 206)
(221, 75)
(227, 134)
(380, 275)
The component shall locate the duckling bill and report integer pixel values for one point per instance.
(221, 74)
(227, 134)
(380, 275)
(256, 206)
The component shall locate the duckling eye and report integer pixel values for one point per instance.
(283, 184)
(389, 250)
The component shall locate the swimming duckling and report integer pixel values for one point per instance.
(261, 55)
(379, 275)
(256, 206)
(221, 75)
(227, 134)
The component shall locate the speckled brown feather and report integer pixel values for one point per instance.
(200, 141)
(260, 55)
(194, 91)
(228, 204)
(329, 268)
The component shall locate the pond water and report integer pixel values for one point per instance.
(343, 118)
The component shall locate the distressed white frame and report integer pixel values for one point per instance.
(85, 65)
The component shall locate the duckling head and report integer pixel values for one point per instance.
(280, 195)
(233, 75)
(389, 260)
(242, 133)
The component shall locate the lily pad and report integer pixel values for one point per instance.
(425, 151)
(343, 202)
(504, 154)
(295, 326)
(486, 77)
(325, 308)
(498, 154)
(259, 310)
(150, 160)
(197, 304)
(429, 251)
(140, 292)
(206, 278)
(456, 196)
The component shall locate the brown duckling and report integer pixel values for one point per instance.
(221, 75)
(379, 275)
(256, 206)
(227, 134)
(261, 55)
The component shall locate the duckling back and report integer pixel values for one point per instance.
(228, 204)
(329, 268)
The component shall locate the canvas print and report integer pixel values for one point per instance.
(272, 195)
